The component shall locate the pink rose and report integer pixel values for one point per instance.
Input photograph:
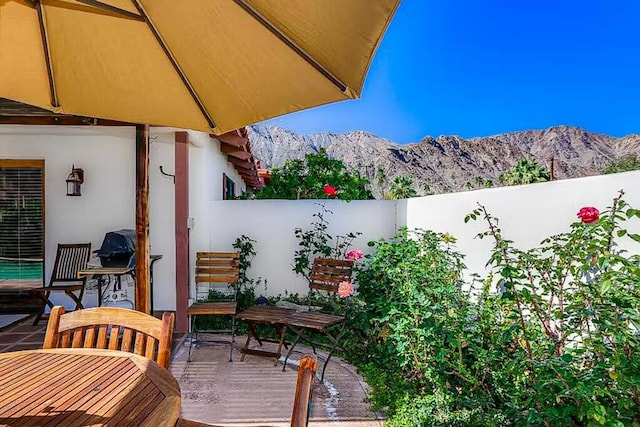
(329, 190)
(345, 289)
(354, 255)
(589, 215)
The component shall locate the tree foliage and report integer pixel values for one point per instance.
(525, 171)
(402, 188)
(627, 163)
(306, 178)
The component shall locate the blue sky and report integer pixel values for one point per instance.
(483, 67)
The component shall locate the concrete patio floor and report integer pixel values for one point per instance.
(249, 393)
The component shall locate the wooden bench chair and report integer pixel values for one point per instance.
(219, 272)
(70, 258)
(113, 329)
(326, 275)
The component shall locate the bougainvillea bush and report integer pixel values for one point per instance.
(551, 338)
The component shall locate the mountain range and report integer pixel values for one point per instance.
(447, 163)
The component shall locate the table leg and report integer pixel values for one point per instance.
(283, 332)
(252, 332)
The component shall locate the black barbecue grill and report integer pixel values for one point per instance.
(118, 249)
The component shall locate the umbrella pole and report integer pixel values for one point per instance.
(142, 219)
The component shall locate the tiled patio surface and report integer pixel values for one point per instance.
(253, 392)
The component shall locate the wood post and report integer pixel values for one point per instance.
(182, 231)
(142, 219)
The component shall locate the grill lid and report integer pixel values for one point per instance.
(119, 242)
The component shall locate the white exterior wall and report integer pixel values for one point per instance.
(107, 155)
(271, 224)
(527, 213)
(206, 166)
(162, 217)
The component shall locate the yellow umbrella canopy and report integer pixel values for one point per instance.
(210, 65)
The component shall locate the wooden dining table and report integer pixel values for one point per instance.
(81, 387)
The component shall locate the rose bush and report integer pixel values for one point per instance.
(550, 338)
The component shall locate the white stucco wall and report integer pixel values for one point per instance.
(271, 223)
(527, 213)
(107, 203)
(206, 166)
(162, 217)
(107, 155)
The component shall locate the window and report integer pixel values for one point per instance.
(22, 220)
(228, 188)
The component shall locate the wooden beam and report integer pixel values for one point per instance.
(241, 155)
(228, 148)
(242, 163)
(143, 286)
(181, 168)
(233, 138)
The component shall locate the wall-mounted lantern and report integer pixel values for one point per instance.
(74, 181)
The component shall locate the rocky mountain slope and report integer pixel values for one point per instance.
(447, 163)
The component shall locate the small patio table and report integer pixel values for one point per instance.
(79, 387)
(266, 315)
(117, 272)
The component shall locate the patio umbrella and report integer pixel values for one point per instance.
(210, 65)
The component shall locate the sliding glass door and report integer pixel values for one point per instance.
(21, 221)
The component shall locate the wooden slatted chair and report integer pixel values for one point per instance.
(70, 258)
(304, 391)
(326, 275)
(219, 271)
(113, 329)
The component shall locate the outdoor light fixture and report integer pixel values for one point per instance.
(74, 181)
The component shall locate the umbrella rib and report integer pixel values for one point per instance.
(175, 64)
(113, 9)
(47, 53)
(292, 45)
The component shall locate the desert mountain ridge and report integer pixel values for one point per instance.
(447, 163)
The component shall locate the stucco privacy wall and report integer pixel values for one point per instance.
(527, 213)
(107, 155)
(271, 223)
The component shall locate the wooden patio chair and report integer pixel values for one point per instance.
(326, 275)
(219, 272)
(70, 258)
(304, 391)
(112, 328)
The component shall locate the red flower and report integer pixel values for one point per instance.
(329, 190)
(589, 215)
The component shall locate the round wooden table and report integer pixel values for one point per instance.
(79, 387)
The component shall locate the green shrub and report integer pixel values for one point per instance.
(551, 338)
(573, 306)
